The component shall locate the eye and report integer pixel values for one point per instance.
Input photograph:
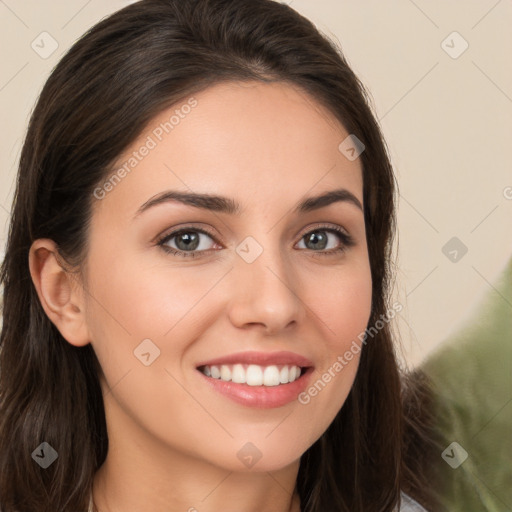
(187, 240)
(318, 240)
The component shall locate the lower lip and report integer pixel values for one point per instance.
(261, 397)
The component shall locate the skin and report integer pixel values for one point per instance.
(173, 440)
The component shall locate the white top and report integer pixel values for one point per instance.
(408, 504)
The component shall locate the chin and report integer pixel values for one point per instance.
(258, 456)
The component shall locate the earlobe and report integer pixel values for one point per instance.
(58, 291)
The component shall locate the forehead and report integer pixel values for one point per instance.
(250, 140)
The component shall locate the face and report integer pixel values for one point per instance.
(250, 287)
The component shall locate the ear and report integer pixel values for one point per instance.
(59, 291)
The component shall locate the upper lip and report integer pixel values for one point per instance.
(260, 358)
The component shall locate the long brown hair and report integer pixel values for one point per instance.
(103, 92)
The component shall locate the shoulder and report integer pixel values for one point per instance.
(410, 505)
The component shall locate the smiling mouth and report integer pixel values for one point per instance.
(253, 374)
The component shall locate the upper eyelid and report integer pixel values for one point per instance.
(177, 231)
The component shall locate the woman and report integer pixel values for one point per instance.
(171, 340)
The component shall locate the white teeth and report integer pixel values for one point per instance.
(253, 374)
(238, 374)
(225, 372)
(271, 376)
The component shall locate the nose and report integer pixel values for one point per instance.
(265, 292)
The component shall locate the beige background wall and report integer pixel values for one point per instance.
(446, 112)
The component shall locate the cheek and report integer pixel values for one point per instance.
(342, 301)
(135, 302)
(145, 301)
(351, 308)
(343, 309)
(131, 301)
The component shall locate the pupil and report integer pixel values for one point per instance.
(318, 241)
(191, 240)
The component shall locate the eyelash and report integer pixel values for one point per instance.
(346, 241)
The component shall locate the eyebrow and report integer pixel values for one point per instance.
(229, 206)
